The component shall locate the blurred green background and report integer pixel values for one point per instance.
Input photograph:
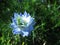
(47, 16)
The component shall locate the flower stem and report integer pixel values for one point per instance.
(33, 37)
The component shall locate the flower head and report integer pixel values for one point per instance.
(22, 23)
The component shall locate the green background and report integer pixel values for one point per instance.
(47, 18)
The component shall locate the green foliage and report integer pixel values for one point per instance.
(47, 17)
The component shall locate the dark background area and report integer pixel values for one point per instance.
(47, 17)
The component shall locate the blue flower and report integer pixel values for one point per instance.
(22, 24)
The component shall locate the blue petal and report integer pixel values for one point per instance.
(17, 31)
(26, 14)
(14, 20)
(32, 22)
(28, 29)
(20, 14)
(25, 33)
(13, 25)
(31, 28)
(16, 15)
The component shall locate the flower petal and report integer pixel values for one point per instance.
(13, 25)
(25, 33)
(16, 31)
(25, 14)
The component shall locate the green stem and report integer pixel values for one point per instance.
(33, 37)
